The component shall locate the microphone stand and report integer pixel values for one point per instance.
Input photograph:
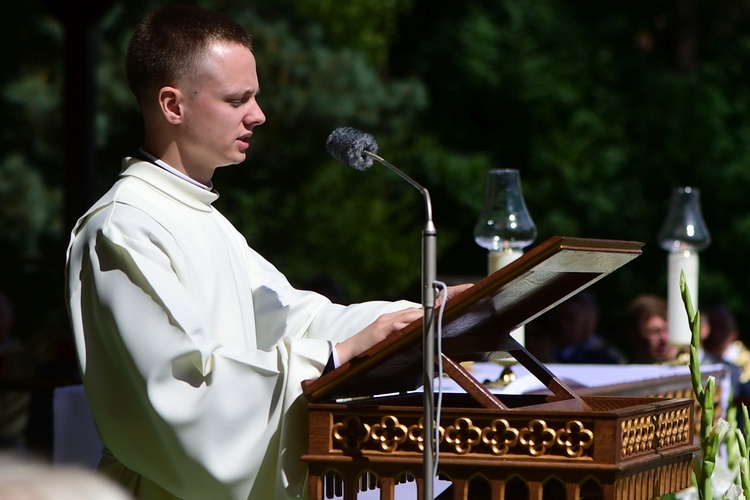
(429, 265)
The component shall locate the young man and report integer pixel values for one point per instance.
(191, 345)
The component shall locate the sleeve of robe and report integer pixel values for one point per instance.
(199, 412)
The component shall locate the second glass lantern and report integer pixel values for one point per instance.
(683, 234)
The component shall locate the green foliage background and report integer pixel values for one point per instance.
(604, 107)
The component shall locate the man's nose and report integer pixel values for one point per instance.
(255, 116)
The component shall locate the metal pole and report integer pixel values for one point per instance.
(428, 342)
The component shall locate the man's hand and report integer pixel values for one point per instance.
(387, 325)
(375, 332)
(452, 291)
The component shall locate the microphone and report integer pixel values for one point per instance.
(357, 149)
(348, 145)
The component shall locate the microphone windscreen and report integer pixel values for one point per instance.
(347, 145)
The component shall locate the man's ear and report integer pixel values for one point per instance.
(170, 104)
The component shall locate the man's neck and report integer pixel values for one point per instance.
(171, 169)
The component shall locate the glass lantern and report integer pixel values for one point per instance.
(505, 226)
(683, 234)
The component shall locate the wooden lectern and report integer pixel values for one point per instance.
(365, 420)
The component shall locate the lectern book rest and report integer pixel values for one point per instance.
(365, 419)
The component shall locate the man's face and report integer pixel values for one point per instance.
(655, 334)
(220, 109)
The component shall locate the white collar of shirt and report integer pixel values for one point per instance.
(172, 170)
(168, 183)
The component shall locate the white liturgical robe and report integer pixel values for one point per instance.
(192, 347)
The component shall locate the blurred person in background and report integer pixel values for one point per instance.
(723, 343)
(574, 328)
(647, 331)
(723, 340)
(16, 367)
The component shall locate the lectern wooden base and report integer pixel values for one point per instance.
(558, 446)
(622, 448)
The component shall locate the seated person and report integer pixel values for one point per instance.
(723, 341)
(574, 324)
(16, 364)
(647, 331)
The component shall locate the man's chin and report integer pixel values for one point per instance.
(232, 163)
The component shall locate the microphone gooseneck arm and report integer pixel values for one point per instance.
(429, 272)
(425, 193)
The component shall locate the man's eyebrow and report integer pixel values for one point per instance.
(243, 94)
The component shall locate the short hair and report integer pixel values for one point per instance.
(643, 307)
(169, 43)
(723, 329)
